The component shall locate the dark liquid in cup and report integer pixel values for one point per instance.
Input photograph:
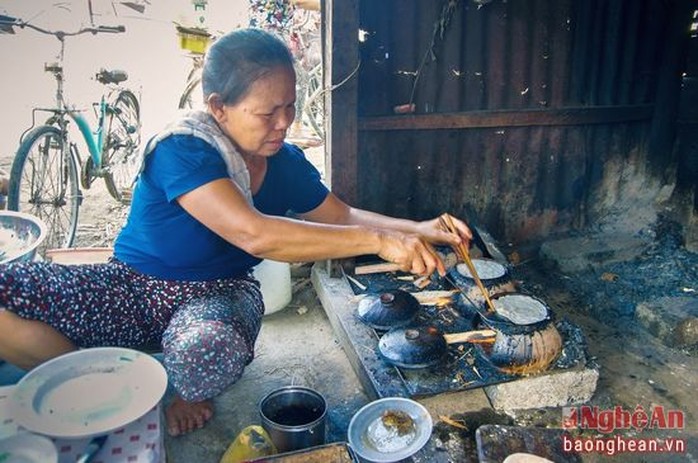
(295, 415)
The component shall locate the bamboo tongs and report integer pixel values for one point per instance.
(446, 223)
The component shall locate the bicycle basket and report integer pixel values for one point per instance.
(193, 39)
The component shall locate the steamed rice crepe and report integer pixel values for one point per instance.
(520, 309)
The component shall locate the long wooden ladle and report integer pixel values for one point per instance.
(446, 223)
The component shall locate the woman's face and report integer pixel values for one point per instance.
(257, 123)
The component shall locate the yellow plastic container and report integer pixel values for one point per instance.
(193, 43)
(252, 442)
(193, 39)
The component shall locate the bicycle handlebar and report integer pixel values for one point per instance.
(113, 29)
(10, 21)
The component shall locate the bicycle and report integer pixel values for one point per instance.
(313, 114)
(195, 41)
(192, 89)
(47, 170)
(305, 37)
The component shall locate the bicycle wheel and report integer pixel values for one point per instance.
(192, 96)
(44, 183)
(121, 158)
(314, 106)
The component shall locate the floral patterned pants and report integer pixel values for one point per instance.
(206, 329)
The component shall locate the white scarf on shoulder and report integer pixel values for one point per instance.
(201, 124)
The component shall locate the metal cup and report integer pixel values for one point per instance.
(294, 417)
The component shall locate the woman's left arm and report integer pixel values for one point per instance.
(335, 211)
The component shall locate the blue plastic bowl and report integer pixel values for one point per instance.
(20, 235)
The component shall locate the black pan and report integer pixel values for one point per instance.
(511, 348)
(424, 346)
(390, 309)
(521, 349)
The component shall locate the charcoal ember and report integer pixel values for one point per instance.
(574, 345)
(686, 332)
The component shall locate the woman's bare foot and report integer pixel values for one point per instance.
(183, 417)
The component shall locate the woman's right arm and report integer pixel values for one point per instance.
(222, 208)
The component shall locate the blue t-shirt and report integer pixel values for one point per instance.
(161, 239)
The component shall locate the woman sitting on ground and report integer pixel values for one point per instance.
(211, 202)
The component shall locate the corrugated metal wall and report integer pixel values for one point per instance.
(687, 145)
(531, 116)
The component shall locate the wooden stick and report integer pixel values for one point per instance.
(422, 282)
(462, 252)
(376, 268)
(484, 291)
(434, 297)
(476, 337)
(356, 282)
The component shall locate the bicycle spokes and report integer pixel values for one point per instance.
(120, 156)
(43, 182)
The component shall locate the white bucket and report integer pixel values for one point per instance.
(275, 278)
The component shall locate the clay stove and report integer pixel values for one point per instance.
(464, 367)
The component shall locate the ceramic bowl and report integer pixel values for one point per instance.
(20, 235)
(27, 447)
(374, 442)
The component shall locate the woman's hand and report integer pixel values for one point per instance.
(404, 242)
(412, 253)
(432, 232)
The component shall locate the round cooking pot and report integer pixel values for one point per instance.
(390, 309)
(511, 348)
(494, 276)
(294, 417)
(520, 348)
(424, 346)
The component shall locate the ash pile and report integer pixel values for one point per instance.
(648, 279)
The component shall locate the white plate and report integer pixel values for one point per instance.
(27, 448)
(525, 458)
(374, 443)
(88, 392)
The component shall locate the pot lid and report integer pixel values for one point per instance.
(416, 347)
(391, 309)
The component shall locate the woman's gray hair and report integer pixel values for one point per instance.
(239, 58)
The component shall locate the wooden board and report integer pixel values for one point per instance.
(336, 453)
(72, 256)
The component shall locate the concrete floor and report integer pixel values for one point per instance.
(296, 346)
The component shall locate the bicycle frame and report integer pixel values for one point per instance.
(93, 139)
